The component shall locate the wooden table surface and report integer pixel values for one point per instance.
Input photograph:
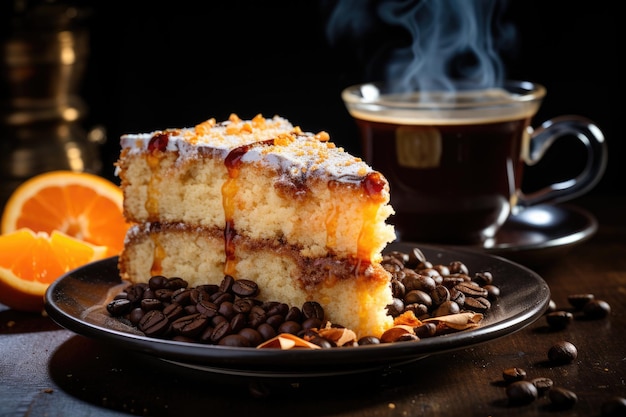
(49, 371)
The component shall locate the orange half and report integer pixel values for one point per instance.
(82, 205)
(30, 262)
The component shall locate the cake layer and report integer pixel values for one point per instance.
(262, 179)
(354, 294)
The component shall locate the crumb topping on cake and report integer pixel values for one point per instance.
(274, 142)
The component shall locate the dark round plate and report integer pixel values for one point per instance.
(76, 301)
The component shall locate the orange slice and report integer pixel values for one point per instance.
(82, 205)
(30, 262)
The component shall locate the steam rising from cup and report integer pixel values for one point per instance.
(427, 45)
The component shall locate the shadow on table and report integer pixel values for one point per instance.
(139, 384)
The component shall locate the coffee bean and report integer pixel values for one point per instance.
(311, 323)
(243, 305)
(156, 282)
(173, 311)
(256, 316)
(451, 281)
(275, 321)
(266, 331)
(368, 340)
(440, 295)
(521, 392)
(289, 327)
(208, 309)
(227, 283)
(397, 288)
(419, 297)
(442, 269)
(562, 398)
(196, 295)
(135, 315)
(471, 289)
(396, 307)
(542, 384)
(458, 267)
(446, 308)
(483, 278)
(479, 304)
(234, 340)
(425, 330)
(245, 288)
(119, 307)
(562, 352)
(154, 323)
(313, 309)
(513, 374)
(273, 308)
(415, 258)
(190, 326)
(493, 292)
(134, 293)
(321, 342)
(560, 319)
(415, 281)
(254, 337)
(238, 322)
(221, 297)
(578, 301)
(227, 309)
(419, 310)
(181, 296)
(294, 314)
(175, 283)
(614, 407)
(597, 309)
(458, 297)
(148, 304)
(221, 330)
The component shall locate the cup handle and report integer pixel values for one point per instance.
(544, 136)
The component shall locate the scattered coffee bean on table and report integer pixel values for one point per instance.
(562, 352)
(559, 319)
(513, 374)
(521, 392)
(542, 384)
(230, 313)
(596, 309)
(562, 398)
(578, 301)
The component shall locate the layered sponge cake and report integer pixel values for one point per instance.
(262, 200)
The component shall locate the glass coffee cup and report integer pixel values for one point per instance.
(455, 160)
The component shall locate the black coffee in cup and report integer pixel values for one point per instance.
(454, 161)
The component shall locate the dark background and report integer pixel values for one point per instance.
(155, 65)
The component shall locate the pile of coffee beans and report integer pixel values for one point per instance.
(230, 314)
(436, 290)
(225, 314)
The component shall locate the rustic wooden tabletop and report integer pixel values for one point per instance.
(47, 370)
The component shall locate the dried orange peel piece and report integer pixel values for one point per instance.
(286, 341)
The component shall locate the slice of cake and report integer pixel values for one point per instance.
(262, 200)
